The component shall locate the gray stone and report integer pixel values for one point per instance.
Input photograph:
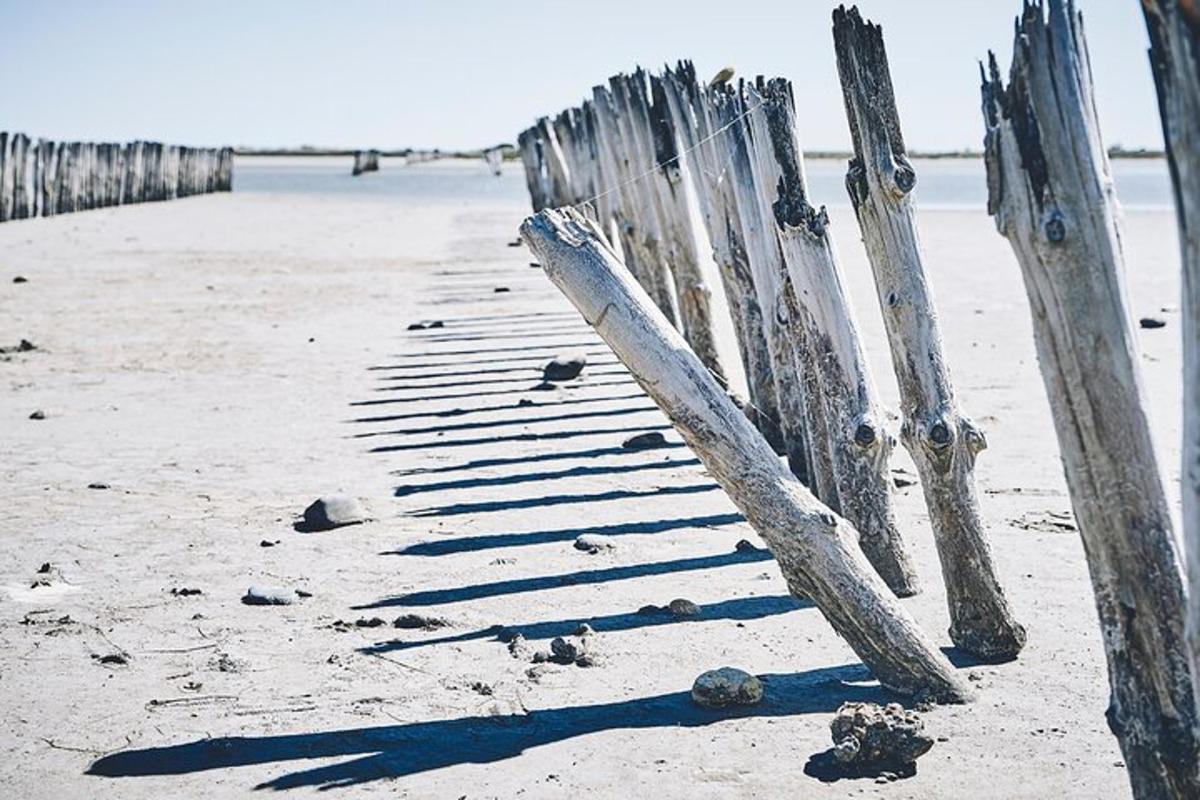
(420, 622)
(594, 542)
(268, 596)
(682, 607)
(870, 736)
(564, 368)
(333, 511)
(727, 687)
(645, 441)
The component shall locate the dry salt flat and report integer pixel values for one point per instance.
(216, 363)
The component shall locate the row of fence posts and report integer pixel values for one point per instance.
(41, 178)
(365, 161)
(616, 181)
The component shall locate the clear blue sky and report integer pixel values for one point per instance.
(469, 73)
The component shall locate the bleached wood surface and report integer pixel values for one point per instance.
(815, 548)
(1051, 193)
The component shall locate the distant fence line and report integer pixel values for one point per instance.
(41, 178)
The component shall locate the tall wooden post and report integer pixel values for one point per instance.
(942, 441)
(691, 118)
(858, 442)
(1174, 28)
(1050, 191)
(815, 548)
(803, 434)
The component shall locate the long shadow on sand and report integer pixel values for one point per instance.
(518, 437)
(488, 506)
(505, 423)
(457, 412)
(392, 751)
(410, 380)
(557, 455)
(470, 544)
(527, 477)
(478, 591)
(740, 609)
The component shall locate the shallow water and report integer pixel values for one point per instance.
(951, 183)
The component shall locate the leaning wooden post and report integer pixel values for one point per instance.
(1050, 191)
(942, 441)
(1174, 28)
(815, 548)
(859, 444)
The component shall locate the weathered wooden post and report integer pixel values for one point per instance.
(816, 549)
(49, 185)
(639, 220)
(19, 154)
(556, 164)
(6, 176)
(675, 190)
(859, 444)
(1174, 28)
(1050, 191)
(691, 118)
(803, 435)
(531, 159)
(494, 158)
(942, 441)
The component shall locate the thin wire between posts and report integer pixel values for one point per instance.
(591, 200)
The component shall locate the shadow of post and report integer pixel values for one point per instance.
(394, 751)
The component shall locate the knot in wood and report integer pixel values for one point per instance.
(940, 434)
(1055, 228)
(856, 182)
(864, 435)
(904, 178)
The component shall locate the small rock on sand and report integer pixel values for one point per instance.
(501, 289)
(579, 650)
(20, 279)
(594, 542)
(869, 737)
(39, 414)
(682, 607)
(420, 622)
(645, 441)
(332, 511)
(1150, 323)
(518, 647)
(98, 485)
(726, 687)
(564, 367)
(268, 596)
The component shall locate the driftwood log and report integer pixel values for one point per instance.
(859, 445)
(816, 549)
(942, 441)
(1174, 28)
(1051, 193)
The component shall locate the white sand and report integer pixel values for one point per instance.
(175, 364)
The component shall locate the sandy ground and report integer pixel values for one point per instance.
(220, 361)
